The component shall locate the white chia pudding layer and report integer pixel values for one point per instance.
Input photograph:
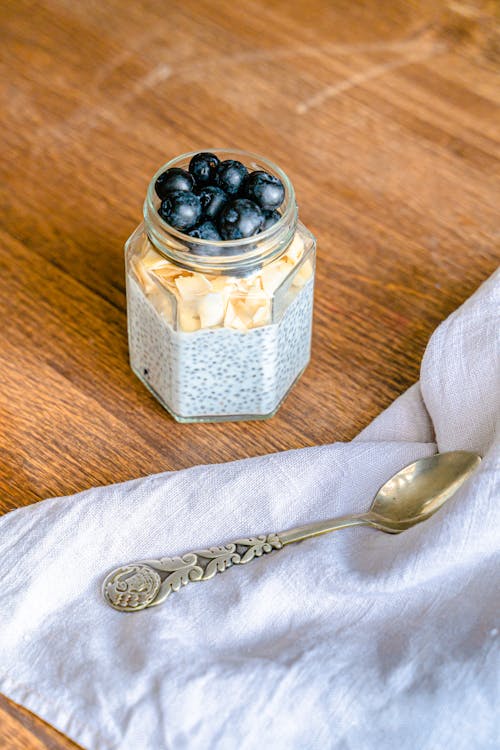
(219, 371)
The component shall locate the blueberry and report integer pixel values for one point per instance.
(203, 167)
(213, 199)
(240, 218)
(181, 209)
(271, 216)
(231, 176)
(205, 231)
(173, 179)
(265, 189)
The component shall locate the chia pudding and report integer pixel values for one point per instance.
(220, 280)
(219, 371)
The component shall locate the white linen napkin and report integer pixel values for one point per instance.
(353, 640)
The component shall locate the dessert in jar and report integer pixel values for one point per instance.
(220, 279)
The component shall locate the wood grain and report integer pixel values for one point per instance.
(386, 117)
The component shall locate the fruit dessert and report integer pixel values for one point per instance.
(220, 288)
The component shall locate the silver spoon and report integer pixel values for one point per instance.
(409, 497)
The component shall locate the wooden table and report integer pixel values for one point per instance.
(386, 117)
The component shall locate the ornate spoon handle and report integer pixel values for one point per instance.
(149, 582)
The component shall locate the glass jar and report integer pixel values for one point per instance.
(220, 330)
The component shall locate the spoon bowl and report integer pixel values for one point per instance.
(420, 489)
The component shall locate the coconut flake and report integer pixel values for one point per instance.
(273, 275)
(295, 249)
(262, 315)
(192, 286)
(189, 320)
(303, 274)
(211, 309)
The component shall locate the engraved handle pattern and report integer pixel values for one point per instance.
(149, 582)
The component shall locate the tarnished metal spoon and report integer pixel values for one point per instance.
(409, 497)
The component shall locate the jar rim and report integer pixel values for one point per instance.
(172, 241)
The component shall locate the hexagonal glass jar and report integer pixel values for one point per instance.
(220, 330)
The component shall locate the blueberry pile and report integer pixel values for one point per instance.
(219, 200)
